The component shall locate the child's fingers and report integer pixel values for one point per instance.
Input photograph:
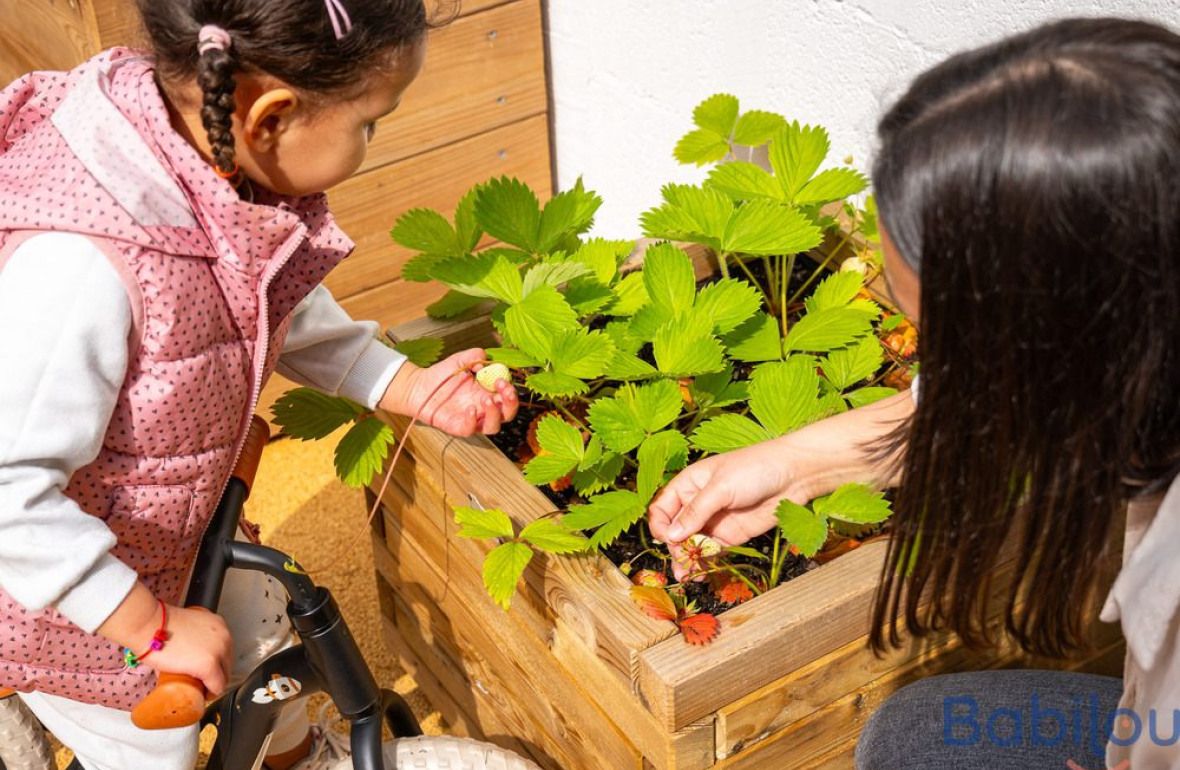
(509, 401)
(492, 418)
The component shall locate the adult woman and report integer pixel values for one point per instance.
(1028, 193)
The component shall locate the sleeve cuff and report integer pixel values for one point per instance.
(98, 593)
(368, 379)
(916, 388)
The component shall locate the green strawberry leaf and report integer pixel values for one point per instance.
(757, 339)
(728, 303)
(686, 347)
(569, 212)
(561, 439)
(667, 450)
(866, 396)
(552, 274)
(669, 278)
(427, 230)
(603, 257)
(700, 147)
(361, 454)
(535, 323)
(727, 432)
(502, 570)
(854, 503)
(423, 352)
(768, 227)
(756, 127)
(845, 368)
(309, 414)
(600, 476)
(513, 358)
(795, 154)
(743, 181)
(507, 210)
(452, 305)
(802, 527)
(482, 524)
(831, 185)
(582, 354)
(555, 385)
(784, 394)
(829, 329)
(837, 290)
(718, 113)
(630, 294)
(552, 537)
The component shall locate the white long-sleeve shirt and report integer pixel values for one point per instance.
(64, 323)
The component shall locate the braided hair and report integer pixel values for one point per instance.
(294, 41)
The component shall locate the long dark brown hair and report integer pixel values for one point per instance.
(292, 40)
(1034, 184)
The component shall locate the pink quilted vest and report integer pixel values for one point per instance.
(212, 280)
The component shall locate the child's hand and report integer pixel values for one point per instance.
(446, 396)
(198, 643)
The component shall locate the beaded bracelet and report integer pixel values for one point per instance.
(131, 659)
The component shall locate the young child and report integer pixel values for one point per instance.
(162, 243)
(1028, 193)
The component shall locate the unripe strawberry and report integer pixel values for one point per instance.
(491, 374)
(649, 577)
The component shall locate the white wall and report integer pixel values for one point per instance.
(627, 73)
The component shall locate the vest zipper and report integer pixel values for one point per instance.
(261, 351)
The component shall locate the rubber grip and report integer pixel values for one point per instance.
(177, 701)
(256, 438)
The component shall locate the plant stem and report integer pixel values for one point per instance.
(768, 296)
(775, 566)
(823, 265)
(722, 258)
(770, 279)
(784, 279)
(568, 415)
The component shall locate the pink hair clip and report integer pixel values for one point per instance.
(213, 37)
(341, 22)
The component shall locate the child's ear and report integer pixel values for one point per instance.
(269, 117)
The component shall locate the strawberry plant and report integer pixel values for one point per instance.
(639, 370)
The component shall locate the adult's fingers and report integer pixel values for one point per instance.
(667, 504)
(696, 512)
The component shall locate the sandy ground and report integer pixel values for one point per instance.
(306, 512)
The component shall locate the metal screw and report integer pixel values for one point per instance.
(501, 100)
(493, 34)
(503, 154)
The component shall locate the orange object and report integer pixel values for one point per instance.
(177, 701)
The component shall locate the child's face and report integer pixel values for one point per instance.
(296, 147)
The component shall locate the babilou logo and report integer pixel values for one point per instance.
(1084, 723)
(1124, 765)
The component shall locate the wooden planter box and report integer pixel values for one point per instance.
(577, 678)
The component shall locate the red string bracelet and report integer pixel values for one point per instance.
(131, 659)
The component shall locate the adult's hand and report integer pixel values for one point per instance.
(732, 497)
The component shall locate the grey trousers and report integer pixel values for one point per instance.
(998, 720)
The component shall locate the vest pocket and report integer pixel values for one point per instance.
(150, 523)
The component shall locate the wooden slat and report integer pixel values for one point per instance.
(368, 204)
(435, 677)
(393, 303)
(44, 35)
(763, 639)
(508, 659)
(482, 71)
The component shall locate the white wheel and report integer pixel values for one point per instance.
(22, 739)
(444, 752)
